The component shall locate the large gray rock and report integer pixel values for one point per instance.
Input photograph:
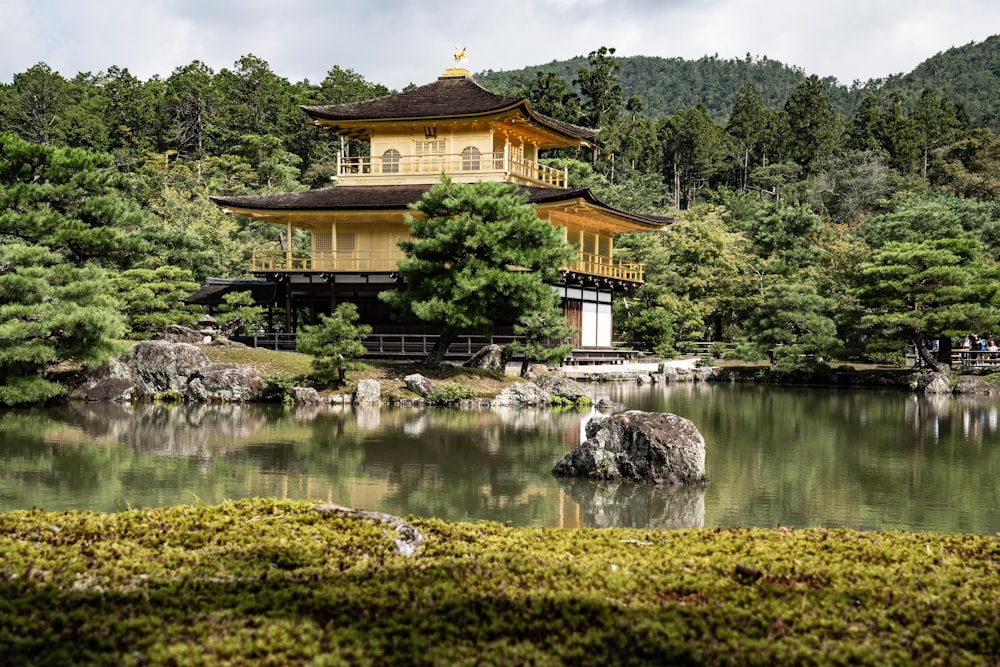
(522, 394)
(564, 387)
(112, 382)
(368, 393)
(642, 446)
(933, 383)
(306, 396)
(419, 384)
(159, 365)
(112, 390)
(176, 333)
(975, 386)
(224, 383)
(492, 357)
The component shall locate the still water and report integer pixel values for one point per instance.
(776, 456)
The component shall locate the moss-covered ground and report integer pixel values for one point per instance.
(274, 582)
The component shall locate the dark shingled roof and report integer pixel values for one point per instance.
(382, 197)
(214, 289)
(448, 97)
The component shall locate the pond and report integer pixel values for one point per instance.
(776, 456)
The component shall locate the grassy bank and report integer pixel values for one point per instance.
(270, 582)
(297, 366)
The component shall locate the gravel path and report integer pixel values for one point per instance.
(585, 370)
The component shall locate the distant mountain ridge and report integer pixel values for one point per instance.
(969, 75)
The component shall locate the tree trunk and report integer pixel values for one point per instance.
(929, 359)
(435, 357)
(944, 350)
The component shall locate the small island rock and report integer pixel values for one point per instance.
(652, 447)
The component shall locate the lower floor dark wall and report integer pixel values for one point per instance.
(293, 301)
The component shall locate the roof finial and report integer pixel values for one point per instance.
(457, 71)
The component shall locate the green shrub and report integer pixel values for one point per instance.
(718, 349)
(169, 396)
(279, 388)
(450, 392)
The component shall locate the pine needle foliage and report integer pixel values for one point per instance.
(335, 344)
(478, 255)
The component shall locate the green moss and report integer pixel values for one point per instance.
(276, 582)
(168, 396)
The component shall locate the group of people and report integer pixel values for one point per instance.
(974, 342)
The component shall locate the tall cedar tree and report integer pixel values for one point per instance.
(478, 256)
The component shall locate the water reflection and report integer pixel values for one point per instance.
(776, 456)
(628, 505)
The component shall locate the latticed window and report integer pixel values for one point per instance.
(390, 161)
(322, 242)
(470, 159)
(346, 243)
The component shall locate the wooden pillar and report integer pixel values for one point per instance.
(288, 304)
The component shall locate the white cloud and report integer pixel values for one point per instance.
(396, 42)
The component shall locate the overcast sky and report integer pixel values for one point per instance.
(396, 42)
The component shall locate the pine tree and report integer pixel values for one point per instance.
(50, 312)
(918, 291)
(478, 255)
(335, 344)
(71, 201)
(747, 125)
(794, 326)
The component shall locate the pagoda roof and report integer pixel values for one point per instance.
(448, 98)
(388, 197)
(214, 290)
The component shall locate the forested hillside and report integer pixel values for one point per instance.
(969, 75)
(812, 221)
(667, 85)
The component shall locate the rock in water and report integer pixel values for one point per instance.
(224, 383)
(655, 447)
(522, 394)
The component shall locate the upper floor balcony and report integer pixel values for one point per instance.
(470, 165)
(386, 261)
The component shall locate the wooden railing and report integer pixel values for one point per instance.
(372, 260)
(973, 358)
(389, 345)
(386, 260)
(450, 163)
(415, 346)
(597, 265)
